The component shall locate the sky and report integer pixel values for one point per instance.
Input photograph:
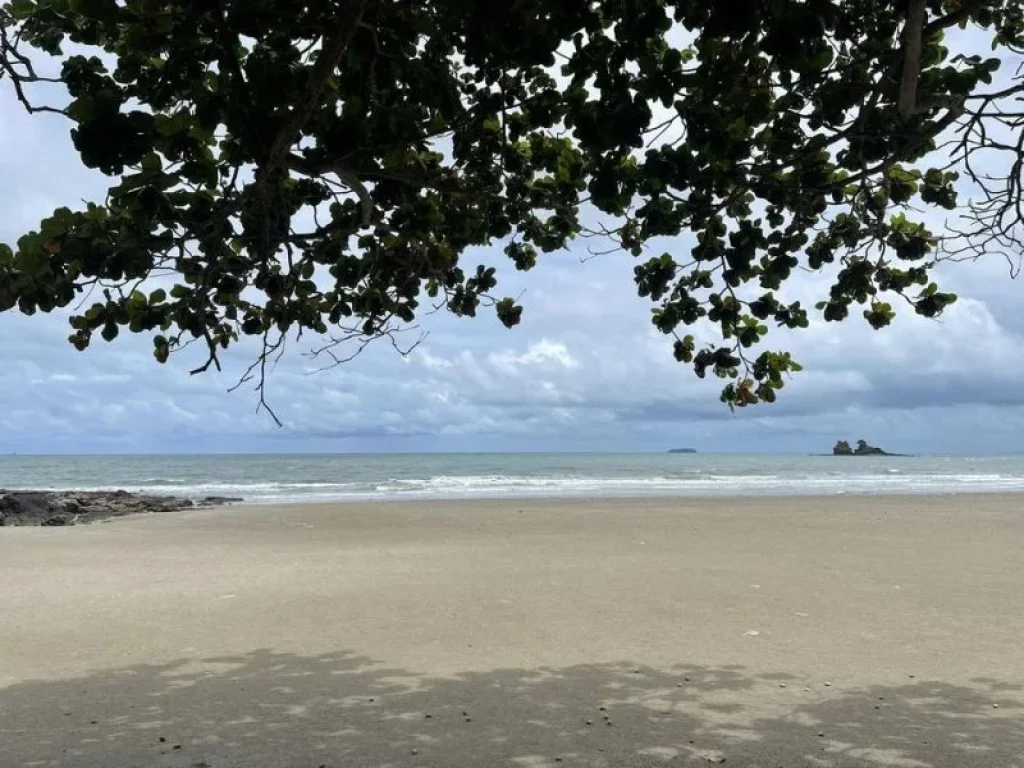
(584, 371)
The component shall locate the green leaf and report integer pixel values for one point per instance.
(21, 9)
(763, 148)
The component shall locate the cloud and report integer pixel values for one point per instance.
(541, 354)
(584, 371)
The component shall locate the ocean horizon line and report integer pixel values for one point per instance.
(666, 452)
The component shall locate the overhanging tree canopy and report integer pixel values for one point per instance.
(329, 166)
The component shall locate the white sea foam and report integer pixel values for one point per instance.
(499, 486)
(262, 479)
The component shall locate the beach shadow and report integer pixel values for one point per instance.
(275, 710)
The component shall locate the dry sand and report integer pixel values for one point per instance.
(785, 632)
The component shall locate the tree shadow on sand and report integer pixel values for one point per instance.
(275, 710)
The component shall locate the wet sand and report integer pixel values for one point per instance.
(841, 631)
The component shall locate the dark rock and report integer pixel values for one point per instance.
(60, 508)
(863, 449)
(209, 501)
(842, 448)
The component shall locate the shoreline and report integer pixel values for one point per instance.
(477, 506)
(135, 505)
(611, 500)
(637, 499)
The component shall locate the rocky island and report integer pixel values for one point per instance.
(682, 450)
(53, 508)
(842, 448)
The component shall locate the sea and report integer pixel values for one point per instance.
(268, 479)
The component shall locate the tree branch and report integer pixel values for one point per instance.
(911, 57)
(952, 19)
(333, 49)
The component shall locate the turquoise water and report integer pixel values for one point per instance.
(271, 478)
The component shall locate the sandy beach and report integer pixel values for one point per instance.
(841, 631)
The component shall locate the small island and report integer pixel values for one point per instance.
(842, 448)
(682, 450)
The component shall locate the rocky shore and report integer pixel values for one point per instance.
(57, 508)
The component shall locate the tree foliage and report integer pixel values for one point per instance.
(330, 166)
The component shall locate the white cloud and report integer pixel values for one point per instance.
(539, 354)
(584, 371)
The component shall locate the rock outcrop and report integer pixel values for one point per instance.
(842, 448)
(52, 508)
